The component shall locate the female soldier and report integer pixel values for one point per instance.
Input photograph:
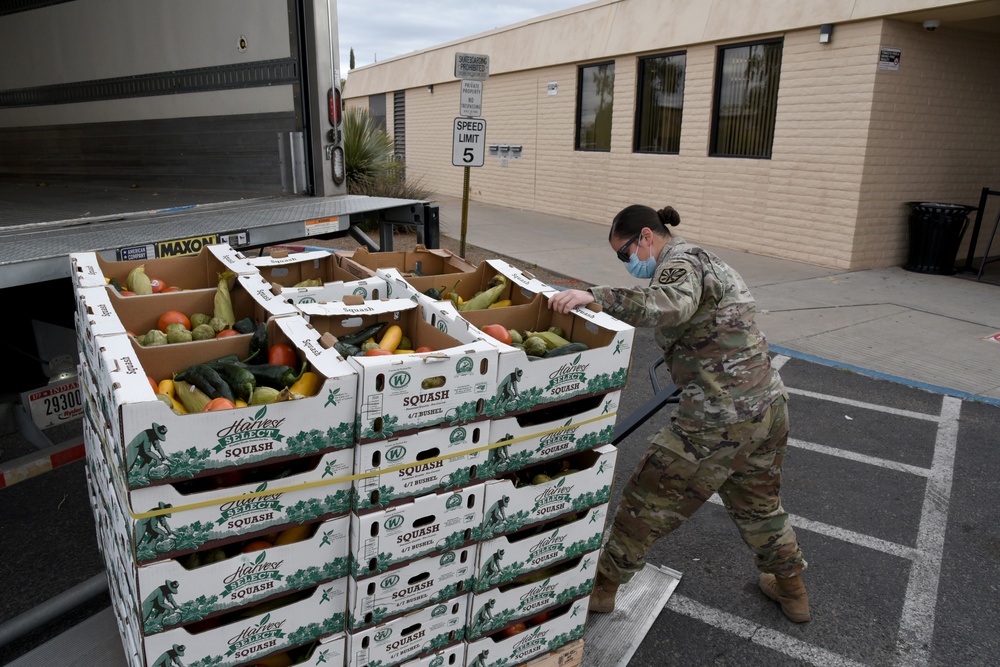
(730, 430)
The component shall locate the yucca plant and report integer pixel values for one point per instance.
(370, 160)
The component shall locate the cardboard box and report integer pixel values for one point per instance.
(285, 270)
(418, 528)
(414, 635)
(419, 261)
(420, 583)
(503, 559)
(200, 271)
(565, 624)
(521, 286)
(403, 393)
(529, 596)
(153, 445)
(552, 432)
(160, 522)
(411, 466)
(509, 508)
(321, 612)
(452, 656)
(100, 312)
(523, 384)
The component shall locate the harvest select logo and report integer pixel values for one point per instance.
(261, 637)
(250, 436)
(568, 377)
(249, 511)
(253, 578)
(533, 643)
(558, 441)
(550, 548)
(538, 597)
(554, 498)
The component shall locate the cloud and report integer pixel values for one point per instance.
(381, 29)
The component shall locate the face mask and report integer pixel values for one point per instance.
(642, 270)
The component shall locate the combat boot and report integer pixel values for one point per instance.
(790, 593)
(602, 600)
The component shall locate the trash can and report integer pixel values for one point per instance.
(935, 233)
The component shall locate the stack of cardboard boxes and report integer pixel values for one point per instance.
(435, 508)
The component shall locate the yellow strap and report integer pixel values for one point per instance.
(334, 480)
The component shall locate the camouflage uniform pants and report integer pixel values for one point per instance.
(682, 469)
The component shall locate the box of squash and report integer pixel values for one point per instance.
(296, 409)
(421, 261)
(197, 271)
(443, 378)
(493, 284)
(314, 275)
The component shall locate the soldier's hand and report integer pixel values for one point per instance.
(567, 300)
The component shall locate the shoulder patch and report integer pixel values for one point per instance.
(670, 275)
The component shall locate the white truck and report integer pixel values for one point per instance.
(143, 129)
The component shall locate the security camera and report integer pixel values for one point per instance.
(931, 25)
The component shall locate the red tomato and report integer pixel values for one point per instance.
(228, 478)
(499, 332)
(377, 352)
(281, 354)
(218, 404)
(152, 383)
(171, 289)
(172, 317)
(225, 333)
(424, 348)
(157, 285)
(126, 292)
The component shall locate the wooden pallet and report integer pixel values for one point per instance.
(570, 655)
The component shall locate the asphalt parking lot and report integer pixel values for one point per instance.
(890, 489)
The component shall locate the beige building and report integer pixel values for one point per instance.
(791, 128)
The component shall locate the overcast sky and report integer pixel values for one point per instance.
(381, 29)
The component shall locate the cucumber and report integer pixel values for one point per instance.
(359, 337)
(568, 348)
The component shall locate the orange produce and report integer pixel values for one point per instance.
(172, 317)
(153, 384)
(171, 289)
(424, 348)
(281, 354)
(157, 285)
(499, 332)
(377, 352)
(225, 333)
(256, 545)
(218, 404)
(515, 629)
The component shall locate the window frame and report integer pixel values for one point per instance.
(717, 94)
(579, 106)
(640, 85)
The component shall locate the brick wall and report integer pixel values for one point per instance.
(851, 144)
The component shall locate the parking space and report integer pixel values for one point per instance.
(888, 506)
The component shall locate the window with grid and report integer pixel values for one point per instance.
(594, 99)
(660, 104)
(746, 100)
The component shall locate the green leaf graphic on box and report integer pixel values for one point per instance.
(440, 641)
(390, 425)
(574, 592)
(361, 566)
(466, 412)
(585, 546)
(455, 540)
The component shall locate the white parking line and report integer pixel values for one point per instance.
(772, 639)
(860, 458)
(867, 406)
(916, 628)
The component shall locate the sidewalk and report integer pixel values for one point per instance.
(923, 330)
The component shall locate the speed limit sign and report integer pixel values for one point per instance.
(468, 148)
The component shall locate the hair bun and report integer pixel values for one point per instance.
(668, 216)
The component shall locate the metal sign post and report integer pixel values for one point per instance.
(468, 148)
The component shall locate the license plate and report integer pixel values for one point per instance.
(55, 404)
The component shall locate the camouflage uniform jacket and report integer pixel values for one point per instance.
(703, 315)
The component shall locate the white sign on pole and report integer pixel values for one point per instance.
(474, 66)
(468, 148)
(471, 104)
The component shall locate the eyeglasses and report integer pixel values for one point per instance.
(623, 253)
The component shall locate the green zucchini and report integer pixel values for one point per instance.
(240, 380)
(568, 348)
(359, 337)
(207, 379)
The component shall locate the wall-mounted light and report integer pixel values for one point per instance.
(825, 33)
(430, 89)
